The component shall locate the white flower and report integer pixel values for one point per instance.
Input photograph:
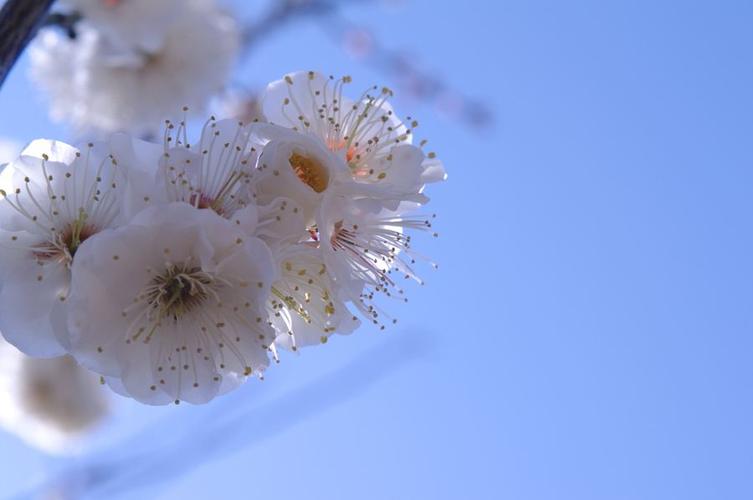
(50, 403)
(96, 84)
(131, 23)
(214, 173)
(358, 173)
(55, 197)
(367, 250)
(296, 166)
(304, 307)
(365, 133)
(172, 305)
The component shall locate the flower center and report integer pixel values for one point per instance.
(310, 172)
(339, 145)
(200, 200)
(341, 236)
(63, 247)
(178, 290)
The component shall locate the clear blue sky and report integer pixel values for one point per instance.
(589, 334)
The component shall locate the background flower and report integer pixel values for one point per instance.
(51, 403)
(97, 84)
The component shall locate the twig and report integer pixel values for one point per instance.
(19, 22)
(396, 64)
(280, 14)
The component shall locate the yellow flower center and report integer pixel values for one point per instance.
(311, 172)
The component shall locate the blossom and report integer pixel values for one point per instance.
(171, 305)
(97, 84)
(174, 269)
(50, 403)
(129, 23)
(296, 166)
(55, 197)
(305, 308)
(213, 173)
(366, 248)
(365, 133)
(352, 164)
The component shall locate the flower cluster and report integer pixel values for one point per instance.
(133, 62)
(176, 271)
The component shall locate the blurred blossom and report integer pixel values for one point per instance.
(242, 105)
(358, 43)
(50, 403)
(97, 81)
(137, 24)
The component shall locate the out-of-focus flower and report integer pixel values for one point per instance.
(50, 403)
(130, 23)
(358, 43)
(54, 198)
(171, 306)
(95, 83)
(242, 105)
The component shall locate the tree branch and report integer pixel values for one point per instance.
(19, 22)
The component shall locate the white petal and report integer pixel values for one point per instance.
(26, 302)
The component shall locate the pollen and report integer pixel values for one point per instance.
(310, 172)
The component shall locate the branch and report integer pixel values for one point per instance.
(19, 22)
(399, 66)
(280, 14)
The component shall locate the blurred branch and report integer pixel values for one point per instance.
(19, 22)
(279, 15)
(399, 66)
(403, 68)
(226, 426)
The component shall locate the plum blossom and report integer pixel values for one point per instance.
(367, 250)
(352, 166)
(55, 197)
(171, 305)
(364, 133)
(212, 173)
(96, 84)
(175, 270)
(129, 23)
(305, 308)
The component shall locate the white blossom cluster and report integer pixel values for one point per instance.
(176, 271)
(134, 61)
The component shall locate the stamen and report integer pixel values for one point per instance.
(310, 172)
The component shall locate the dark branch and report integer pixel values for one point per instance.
(19, 22)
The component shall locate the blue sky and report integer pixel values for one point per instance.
(589, 332)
